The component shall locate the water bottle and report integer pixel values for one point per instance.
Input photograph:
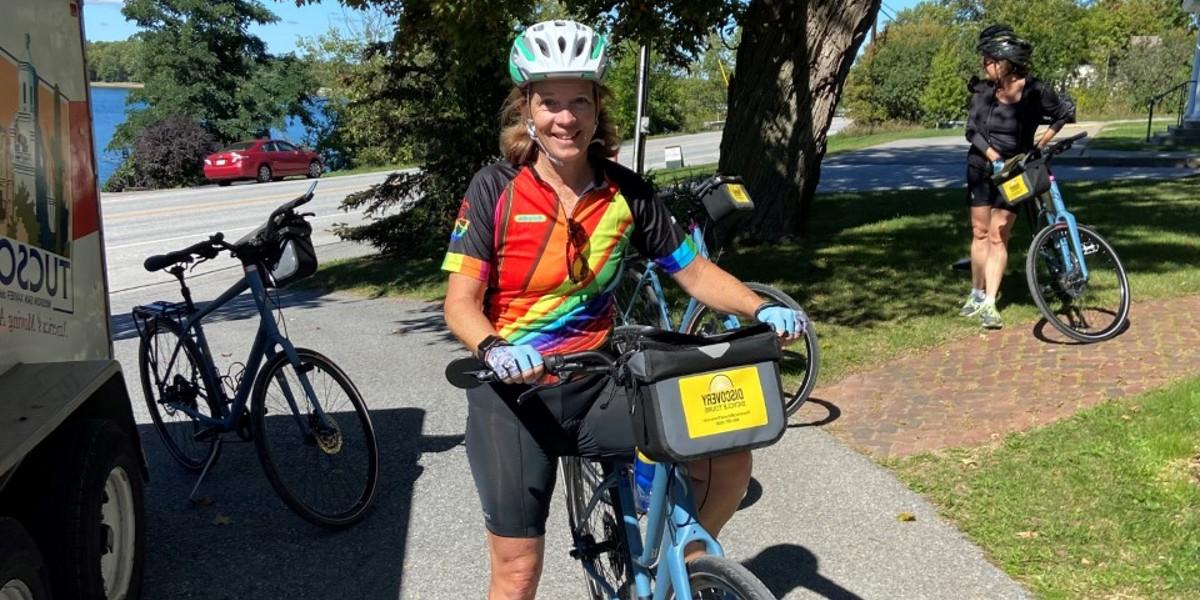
(643, 475)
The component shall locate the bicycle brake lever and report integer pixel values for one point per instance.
(197, 263)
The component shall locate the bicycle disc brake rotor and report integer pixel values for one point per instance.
(328, 435)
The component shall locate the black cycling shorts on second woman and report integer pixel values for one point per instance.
(514, 449)
(981, 191)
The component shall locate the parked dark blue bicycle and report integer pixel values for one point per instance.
(640, 299)
(1074, 275)
(309, 423)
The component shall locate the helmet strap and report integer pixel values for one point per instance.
(529, 129)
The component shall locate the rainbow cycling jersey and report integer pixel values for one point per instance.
(550, 275)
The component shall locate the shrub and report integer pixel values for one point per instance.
(170, 153)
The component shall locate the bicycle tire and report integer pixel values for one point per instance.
(604, 527)
(179, 434)
(720, 577)
(635, 302)
(804, 354)
(1074, 300)
(318, 462)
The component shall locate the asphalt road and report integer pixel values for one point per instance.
(820, 520)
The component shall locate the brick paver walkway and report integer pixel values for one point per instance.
(977, 389)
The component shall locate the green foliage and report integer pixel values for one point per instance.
(443, 71)
(353, 135)
(115, 61)
(1110, 54)
(1151, 68)
(888, 83)
(945, 96)
(665, 107)
(199, 60)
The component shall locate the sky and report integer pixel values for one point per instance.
(103, 21)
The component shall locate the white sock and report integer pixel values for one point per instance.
(978, 294)
(989, 300)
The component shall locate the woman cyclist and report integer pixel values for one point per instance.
(533, 258)
(1005, 112)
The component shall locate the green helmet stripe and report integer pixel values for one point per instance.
(599, 48)
(525, 49)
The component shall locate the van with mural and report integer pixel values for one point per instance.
(71, 466)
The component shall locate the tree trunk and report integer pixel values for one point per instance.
(791, 67)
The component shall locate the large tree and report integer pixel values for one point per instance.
(791, 66)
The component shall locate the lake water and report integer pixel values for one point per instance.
(108, 111)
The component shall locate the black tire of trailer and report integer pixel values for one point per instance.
(20, 561)
(71, 523)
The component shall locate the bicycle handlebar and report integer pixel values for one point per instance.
(208, 249)
(1023, 161)
(467, 373)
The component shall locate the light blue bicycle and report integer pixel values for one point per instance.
(1074, 275)
(621, 562)
(641, 301)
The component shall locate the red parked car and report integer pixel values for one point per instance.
(262, 160)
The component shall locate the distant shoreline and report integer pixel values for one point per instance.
(125, 85)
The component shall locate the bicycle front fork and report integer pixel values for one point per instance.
(1062, 215)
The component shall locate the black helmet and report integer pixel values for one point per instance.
(997, 31)
(999, 41)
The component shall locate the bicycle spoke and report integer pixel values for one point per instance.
(1087, 308)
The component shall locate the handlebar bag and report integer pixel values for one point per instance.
(724, 196)
(296, 258)
(1032, 181)
(694, 397)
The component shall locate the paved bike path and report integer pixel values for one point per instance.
(979, 388)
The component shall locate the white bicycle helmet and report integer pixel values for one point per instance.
(557, 50)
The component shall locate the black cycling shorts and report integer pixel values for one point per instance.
(513, 449)
(981, 191)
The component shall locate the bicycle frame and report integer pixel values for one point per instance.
(1060, 214)
(266, 340)
(671, 525)
(650, 277)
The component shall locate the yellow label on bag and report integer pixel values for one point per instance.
(722, 402)
(737, 191)
(1014, 188)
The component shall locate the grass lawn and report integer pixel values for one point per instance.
(1132, 136)
(875, 273)
(1105, 504)
(361, 170)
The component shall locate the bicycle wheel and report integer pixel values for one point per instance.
(601, 532)
(636, 302)
(715, 577)
(326, 474)
(172, 377)
(801, 359)
(1090, 309)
